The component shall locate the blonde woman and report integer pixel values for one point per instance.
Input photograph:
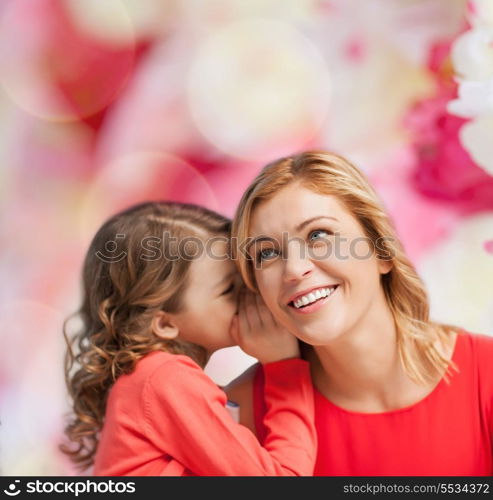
(395, 393)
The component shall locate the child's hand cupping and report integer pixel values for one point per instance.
(257, 332)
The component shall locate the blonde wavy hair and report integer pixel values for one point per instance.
(418, 338)
(121, 294)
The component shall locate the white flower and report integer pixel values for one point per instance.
(472, 54)
(480, 12)
(476, 137)
(472, 57)
(475, 99)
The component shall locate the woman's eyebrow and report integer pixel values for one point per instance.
(299, 227)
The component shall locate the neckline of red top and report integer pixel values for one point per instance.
(437, 389)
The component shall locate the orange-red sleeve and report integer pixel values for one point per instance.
(185, 417)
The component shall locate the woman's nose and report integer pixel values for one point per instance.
(297, 263)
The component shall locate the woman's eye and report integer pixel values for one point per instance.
(266, 254)
(229, 289)
(318, 234)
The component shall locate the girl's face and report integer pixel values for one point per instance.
(209, 303)
(316, 271)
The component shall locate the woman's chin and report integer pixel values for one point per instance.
(319, 336)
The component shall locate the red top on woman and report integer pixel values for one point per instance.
(449, 432)
(168, 418)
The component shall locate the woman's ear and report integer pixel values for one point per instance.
(162, 326)
(385, 266)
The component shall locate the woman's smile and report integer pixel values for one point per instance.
(313, 300)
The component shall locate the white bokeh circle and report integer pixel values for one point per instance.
(257, 86)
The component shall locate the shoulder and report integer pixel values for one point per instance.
(478, 355)
(166, 367)
(483, 348)
(240, 390)
(479, 345)
(160, 370)
(484, 343)
(155, 375)
(174, 381)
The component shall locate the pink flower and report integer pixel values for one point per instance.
(444, 170)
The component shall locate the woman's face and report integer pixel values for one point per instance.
(319, 277)
(209, 302)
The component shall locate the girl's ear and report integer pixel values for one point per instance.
(162, 326)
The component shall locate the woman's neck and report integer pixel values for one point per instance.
(361, 370)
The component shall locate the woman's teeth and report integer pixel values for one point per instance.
(311, 297)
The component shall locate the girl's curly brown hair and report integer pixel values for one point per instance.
(121, 294)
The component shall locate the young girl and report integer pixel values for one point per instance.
(159, 296)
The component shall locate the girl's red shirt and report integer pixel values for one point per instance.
(168, 418)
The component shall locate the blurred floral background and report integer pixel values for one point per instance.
(105, 104)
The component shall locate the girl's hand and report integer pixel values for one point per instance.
(257, 332)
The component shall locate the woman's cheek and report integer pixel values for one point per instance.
(319, 252)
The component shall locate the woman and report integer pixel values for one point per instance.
(395, 393)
